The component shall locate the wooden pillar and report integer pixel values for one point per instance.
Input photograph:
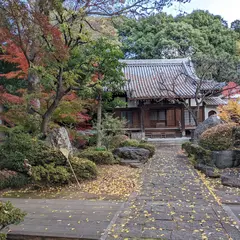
(183, 121)
(142, 120)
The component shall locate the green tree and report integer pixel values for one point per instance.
(193, 35)
(235, 25)
(106, 75)
(48, 36)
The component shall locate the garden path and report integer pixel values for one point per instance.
(174, 203)
(65, 219)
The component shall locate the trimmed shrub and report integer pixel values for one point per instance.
(130, 143)
(218, 138)
(98, 156)
(20, 146)
(92, 140)
(197, 154)
(50, 174)
(11, 179)
(236, 137)
(149, 147)
(187, 147)
(9, 215)
(201, 155)
(11, 160)
(84, 168)
(117, 141)
(47, 155)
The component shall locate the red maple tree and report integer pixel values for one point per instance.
(13, 54)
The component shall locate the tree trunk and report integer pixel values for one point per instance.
(196, 118)
(33, 82)
(48, 114)
(59, 95)
(99, 121)
(33, 88)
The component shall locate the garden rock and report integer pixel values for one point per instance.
(208, 170)
(132, 156)
(59, 138)
(226, 159)
(210, 122)
(231, 177)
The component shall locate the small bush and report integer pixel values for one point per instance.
(218, 138)
(50, 174)
(84, 168)
(149, 147)
(92, 140)
(117, 141)
(12, 160)
(130, 143)
(97, 156)
(47, 155)
(200, 154)
(187, 147)
(10, 179)
(20, 146)
(197, 154)
(9, 215)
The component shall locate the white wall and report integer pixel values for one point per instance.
(192, 102)
(207, 109)
(132, 104)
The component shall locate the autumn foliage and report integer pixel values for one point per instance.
(13, 54)
(230, 112)
(7, 98)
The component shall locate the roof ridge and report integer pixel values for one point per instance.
(154, 61)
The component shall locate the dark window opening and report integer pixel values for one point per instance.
(212, 113)
(158, 115)
(128, 116)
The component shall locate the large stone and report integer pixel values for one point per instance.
(59, 139)
(226, 159)
(132, 153)
(209, 171)
(231, 177)
(210, 122)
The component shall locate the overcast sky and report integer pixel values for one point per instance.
(228, 9)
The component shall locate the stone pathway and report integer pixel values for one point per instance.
(62, 219)
(174, 203)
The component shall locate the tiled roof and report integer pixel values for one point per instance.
(214, 101)
(160, 78)
(211, 84)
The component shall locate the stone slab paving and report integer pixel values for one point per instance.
(234, 211)
(77, 219)
(173, 204)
